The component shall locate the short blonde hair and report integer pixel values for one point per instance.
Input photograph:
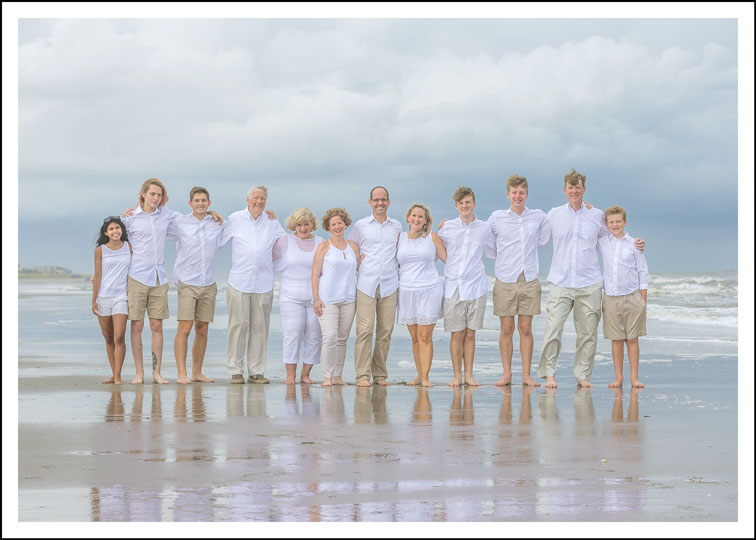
(574, 178)
(462, 192)
(146, 187)
(301, 215)
(516, 181)
(615, 210)
(428, 217)
(335, 212)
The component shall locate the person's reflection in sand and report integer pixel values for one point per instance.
(378, 401)
(235, 400)
(179, 410)
(136, 407)
(114, 410)
(198, 404)
(310, 406)
(526, 413)
(332, 407)
(256, 404)
(156, 411)
(547, 409)
(505, 413)
(422, 412)
(462, 413)
(362, 405)
(290, 405)
(585, 415)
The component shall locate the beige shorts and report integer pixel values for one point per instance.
(141, 297)
(196, 303)
(518, 298)
(624, 316)
(462, 314)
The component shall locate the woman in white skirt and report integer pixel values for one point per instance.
(421, 290)
(334, 289)
(293, 256)
(112, 258)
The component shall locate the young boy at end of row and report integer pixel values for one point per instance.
(625, 294)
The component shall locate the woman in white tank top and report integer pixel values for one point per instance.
(293, 256)
(421, 291)
(334, 289)
(109, 302)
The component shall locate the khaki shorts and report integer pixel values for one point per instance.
(141, 297)
(518, 298)
(196, 303)
(624, 316)
(461, 314)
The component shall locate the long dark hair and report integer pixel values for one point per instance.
(103, 238)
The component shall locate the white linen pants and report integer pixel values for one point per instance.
(301, 331)
(248, 323)
(335, 324)
(585, 302)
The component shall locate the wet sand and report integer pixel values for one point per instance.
(218, 452)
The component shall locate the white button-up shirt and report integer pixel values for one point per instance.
(575, 235)
(196, 248)
(147, 236)
(625, 268)
(518, 238)
(377, 241)
(251, 250)
(465, 247)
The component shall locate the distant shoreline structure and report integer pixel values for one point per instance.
(40, 272)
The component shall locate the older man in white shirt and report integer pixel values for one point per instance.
(466, 285)
(576, 281)
(249, 294)
(197, 238)
(377, 286)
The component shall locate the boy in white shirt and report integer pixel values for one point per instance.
(625, 294)
(466, 285)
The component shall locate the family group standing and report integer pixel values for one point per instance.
(375, 275)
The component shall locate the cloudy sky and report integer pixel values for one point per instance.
(320, 110)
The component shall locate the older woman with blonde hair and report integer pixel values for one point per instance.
(334, 290)
(421, 291)
(293, 256)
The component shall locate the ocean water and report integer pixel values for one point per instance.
(691, 317)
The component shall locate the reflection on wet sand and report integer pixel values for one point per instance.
(370, 405)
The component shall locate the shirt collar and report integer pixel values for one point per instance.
(512, 212)
(139, 210)
(372, 218)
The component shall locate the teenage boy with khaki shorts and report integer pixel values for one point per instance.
(466, 285)
(519, 232)
(197, 235)
(625, 294)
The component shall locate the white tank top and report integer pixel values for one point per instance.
(115, 270)
(416, 258)
(338, 282)
(296, 275)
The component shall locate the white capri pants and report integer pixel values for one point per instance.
(301, 331)
(335, 324)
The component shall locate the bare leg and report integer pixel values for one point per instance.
(305, 375)
(180, 348)
(198, 351)
(412, 328)
(425, 352)
(456, 346)
(291, 373)
(618, 351)
(106, 326)
(119, 337)
(156, 327)
(469, 357)
(505, 349)
(524, 327)
(136, 350)
(633, 358)
(363, 382)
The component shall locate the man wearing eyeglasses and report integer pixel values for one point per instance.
(377, 284)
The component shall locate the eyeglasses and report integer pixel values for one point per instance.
(379, 200)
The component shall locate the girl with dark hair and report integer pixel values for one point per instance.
(109, 302)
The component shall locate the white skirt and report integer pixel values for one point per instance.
(420, 307)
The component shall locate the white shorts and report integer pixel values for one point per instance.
(112, 305)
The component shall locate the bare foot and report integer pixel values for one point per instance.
(584, 383)
(504, 381)
(415, 382)
(616, 383)
(529, 381)
(291, 379)
(457, 381)
(471, 382)
(426, 383)
(339, 380)
(109, 380)
(157, 378)
(139, 379)
(327, 382)
(363, 382)
(118, 381)
(201, 378)
(306, 380)
(382, 382)
(551, 382)
(183, 379)
(637, 384)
